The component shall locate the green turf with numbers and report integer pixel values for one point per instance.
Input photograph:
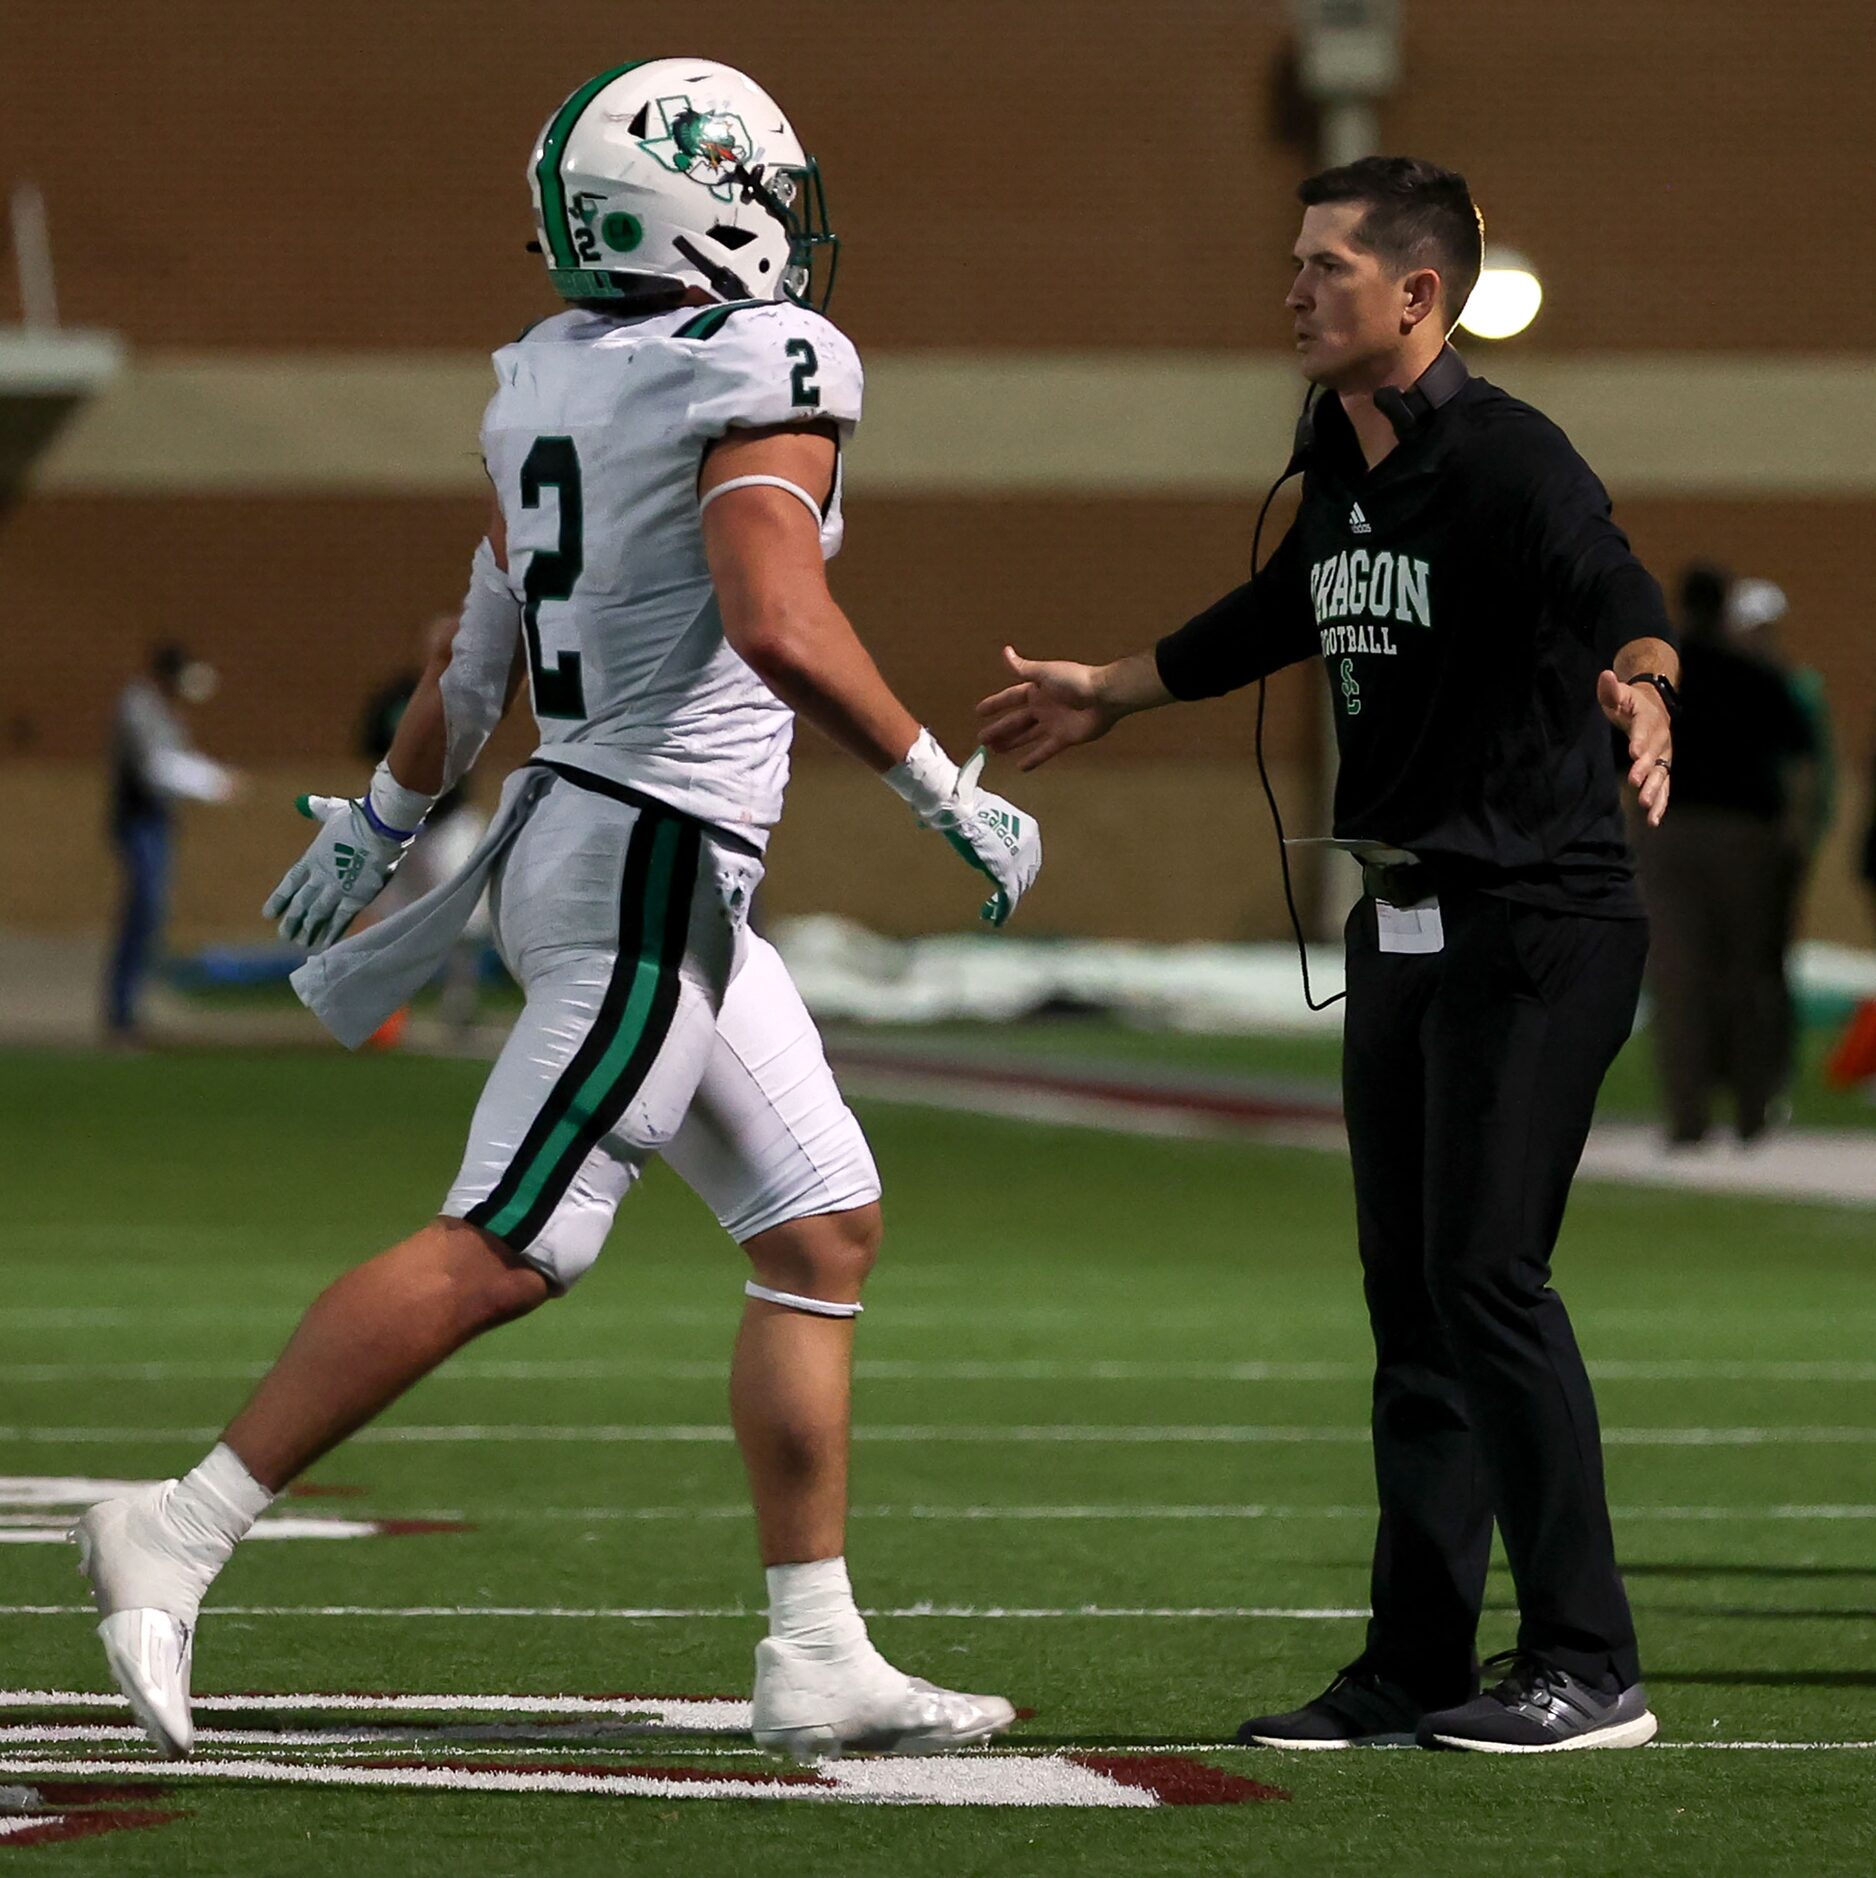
(175, 1211)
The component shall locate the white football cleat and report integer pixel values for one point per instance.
(814, 1708)
(148, 1596)
(149, 1653)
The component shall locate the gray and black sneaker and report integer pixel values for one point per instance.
(1357, 1710)
(1541, 1709)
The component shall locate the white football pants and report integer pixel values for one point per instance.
(656, 1024)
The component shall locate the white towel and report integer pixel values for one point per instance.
(354, 986)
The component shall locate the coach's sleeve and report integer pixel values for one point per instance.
(1254, 630)
(1585, 571)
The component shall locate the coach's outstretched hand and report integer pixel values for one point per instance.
(1639, 714)
(346, 867)
(1054, 705)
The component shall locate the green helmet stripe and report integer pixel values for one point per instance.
(547, 170)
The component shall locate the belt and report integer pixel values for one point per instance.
(622, 792)
(1399, 883)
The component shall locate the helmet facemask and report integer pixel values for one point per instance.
(797, 198)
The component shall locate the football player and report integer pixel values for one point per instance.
(665, 454)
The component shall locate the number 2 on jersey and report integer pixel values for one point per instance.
(552, 574)
(801, 385)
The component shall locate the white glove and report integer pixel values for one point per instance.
(992, 834)
(349, 863)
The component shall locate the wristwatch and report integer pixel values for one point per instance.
(1669, 696)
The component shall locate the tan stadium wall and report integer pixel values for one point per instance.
(1688, 173)
(1160, 850)
(345, 179)
(306, 606)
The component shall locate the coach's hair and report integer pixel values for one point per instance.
(1418, 215)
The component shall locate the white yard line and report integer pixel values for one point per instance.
(655, 1613)
(990, 1435)
(665, 1706)
(656, 1515)
(36, 1318)
(713, 1370)
(709, 1714)
(1040, 1780)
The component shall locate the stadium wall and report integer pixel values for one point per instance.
(309, 196)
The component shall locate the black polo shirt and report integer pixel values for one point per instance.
(1464, 595)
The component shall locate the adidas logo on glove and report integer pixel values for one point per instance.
(1006, 827)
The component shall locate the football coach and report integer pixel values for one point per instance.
(1482, 623)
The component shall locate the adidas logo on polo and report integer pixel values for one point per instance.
(1358, 522)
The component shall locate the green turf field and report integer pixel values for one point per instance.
(1197, 1300)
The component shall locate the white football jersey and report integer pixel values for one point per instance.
(594, 439)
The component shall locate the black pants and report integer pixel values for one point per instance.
(1469, 1078)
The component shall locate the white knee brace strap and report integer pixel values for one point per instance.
(815, 1307)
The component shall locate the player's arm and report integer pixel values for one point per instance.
(465, 688)
(764, 547)
(763, 493)
(1253, 631)
(447, 720)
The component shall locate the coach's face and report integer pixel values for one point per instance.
(1349, 312)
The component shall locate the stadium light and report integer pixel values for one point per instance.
(1506, 299)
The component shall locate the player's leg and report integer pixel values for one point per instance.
(1531, 1011)
(603, 905)
(372, 1334)
(153, 1553)
(774, 1151)
(790, 1394)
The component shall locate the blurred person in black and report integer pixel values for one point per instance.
(1866, 866)
(154, 764)
(1721, 878)
(1482, 622)
(1755, 610)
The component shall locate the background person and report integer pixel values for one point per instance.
(1720, 877)
(1755, 610)
(154, 764)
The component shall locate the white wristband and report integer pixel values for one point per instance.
(925, 776)
(394, 808)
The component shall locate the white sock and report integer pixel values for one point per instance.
(812, 1605)
(213, 1505)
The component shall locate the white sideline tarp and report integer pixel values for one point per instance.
(850, 975)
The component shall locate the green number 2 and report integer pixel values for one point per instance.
(801, 378)
(552, 574)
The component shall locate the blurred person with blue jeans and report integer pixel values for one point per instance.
(153, 765)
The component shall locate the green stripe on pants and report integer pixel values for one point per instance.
(602, 1080)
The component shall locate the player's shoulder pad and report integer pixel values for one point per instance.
(756, 363)
(548, 327)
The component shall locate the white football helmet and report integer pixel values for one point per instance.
(682, 170)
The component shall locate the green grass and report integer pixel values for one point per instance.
(201, 1199)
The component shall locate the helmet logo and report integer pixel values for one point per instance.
(621, 232)
(706, 146)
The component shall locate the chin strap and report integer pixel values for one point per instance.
(790, 1300)
(728, 284)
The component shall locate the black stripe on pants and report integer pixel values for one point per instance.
(1469, 1079)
